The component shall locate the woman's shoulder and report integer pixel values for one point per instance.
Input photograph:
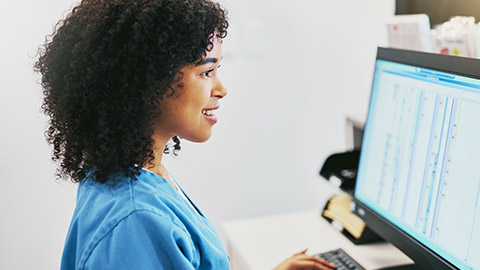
(106, 212)
(123, 195)
(93, 236)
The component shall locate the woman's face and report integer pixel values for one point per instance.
(189, 113)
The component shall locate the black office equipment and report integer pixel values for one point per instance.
(418, 183)
(342, 166)
(338, 210)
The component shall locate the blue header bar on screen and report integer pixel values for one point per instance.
(429, 75)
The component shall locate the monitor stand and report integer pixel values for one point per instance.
(403, 267)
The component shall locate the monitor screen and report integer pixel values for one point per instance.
(418, 182)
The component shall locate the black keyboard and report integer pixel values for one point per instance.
(341, 260)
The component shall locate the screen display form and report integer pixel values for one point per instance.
(420, 164)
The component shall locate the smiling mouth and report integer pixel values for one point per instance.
(207, 112)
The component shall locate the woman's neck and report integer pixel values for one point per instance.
(156, 165)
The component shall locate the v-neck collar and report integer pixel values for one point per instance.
(195, 207)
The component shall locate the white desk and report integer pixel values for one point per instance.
(263, 242)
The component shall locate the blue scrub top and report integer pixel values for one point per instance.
(142, 224)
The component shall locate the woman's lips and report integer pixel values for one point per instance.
(208, 113)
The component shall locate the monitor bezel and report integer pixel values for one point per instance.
(459, 65)
(419, 253)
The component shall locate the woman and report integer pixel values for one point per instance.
(121, 79)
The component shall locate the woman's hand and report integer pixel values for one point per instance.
(301, 260)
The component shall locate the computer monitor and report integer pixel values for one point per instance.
(418, 182)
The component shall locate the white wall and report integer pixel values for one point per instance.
(34, 209)
(294, 70)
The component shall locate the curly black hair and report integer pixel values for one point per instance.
(105, 70)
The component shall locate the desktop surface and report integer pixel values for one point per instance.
(264, 242)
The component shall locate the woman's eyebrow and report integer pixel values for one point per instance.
(207, 60)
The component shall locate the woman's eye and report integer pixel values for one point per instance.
(208, 73)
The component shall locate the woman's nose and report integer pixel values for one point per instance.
(219, 90)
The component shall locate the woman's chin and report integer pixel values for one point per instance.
(199, 138)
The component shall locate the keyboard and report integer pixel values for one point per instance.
(341, 260)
